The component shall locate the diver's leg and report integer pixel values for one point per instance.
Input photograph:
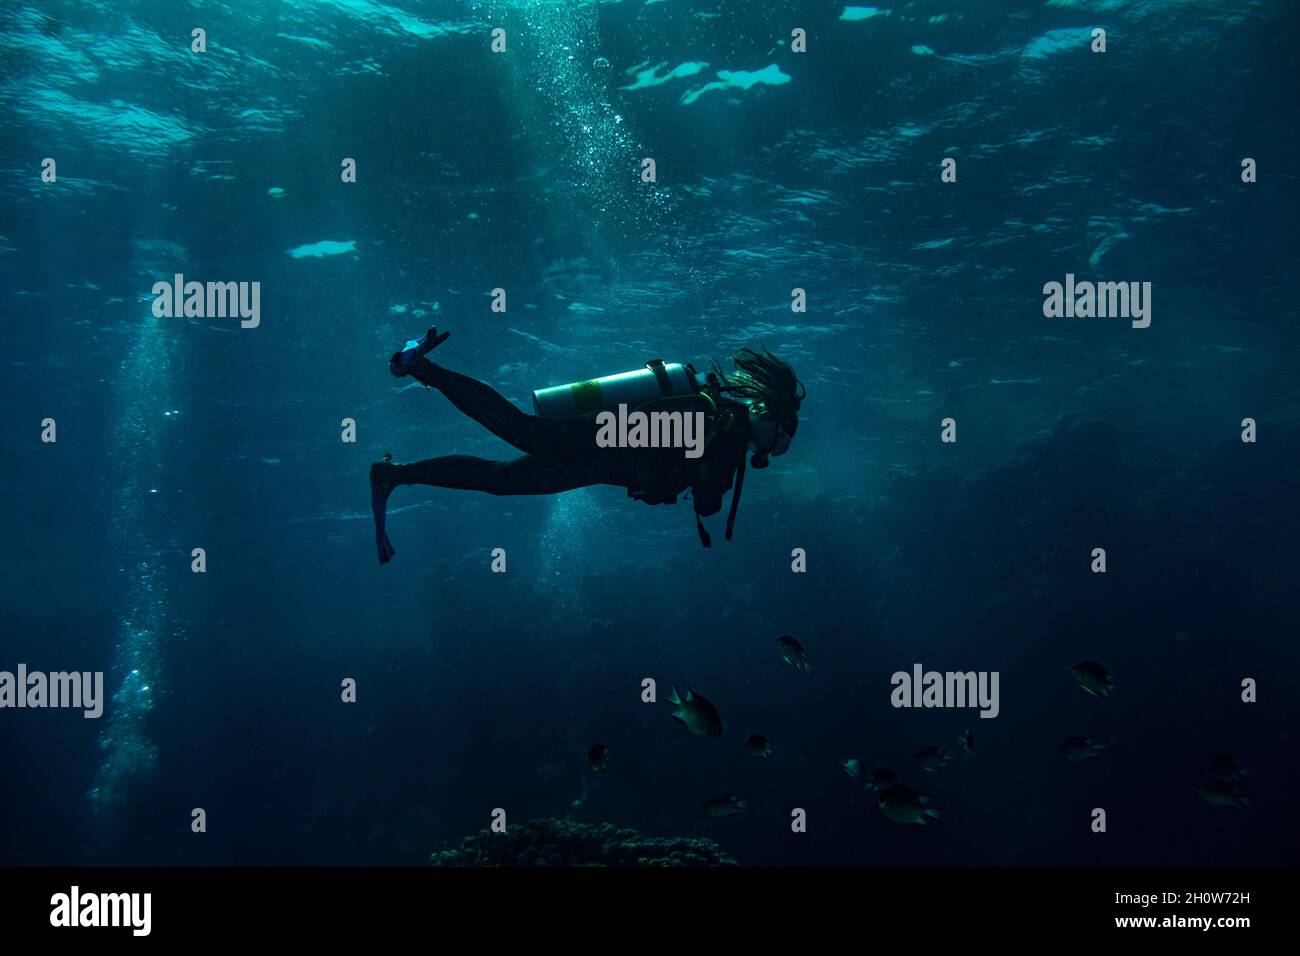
(528, 475)
(543, 437)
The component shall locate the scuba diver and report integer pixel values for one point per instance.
(755, 409)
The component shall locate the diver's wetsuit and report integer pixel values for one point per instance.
(561, 454)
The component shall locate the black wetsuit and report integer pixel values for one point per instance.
(561, 454)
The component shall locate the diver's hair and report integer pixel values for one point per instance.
(762, 377)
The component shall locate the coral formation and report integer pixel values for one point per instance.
(565, 843)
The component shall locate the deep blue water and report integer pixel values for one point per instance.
(775, 170)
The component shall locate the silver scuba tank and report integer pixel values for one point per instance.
(653, 381)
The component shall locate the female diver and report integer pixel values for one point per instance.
(754, 410)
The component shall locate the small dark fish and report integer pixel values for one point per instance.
(901, 804)
(879, 779)
(1093, 678)
(1075, 749)
(696, 714)
(726, 805)
(967, 741)
(598, 757)
(793, 653)
(932, 759)
(1223, 793)
(852, 766)
(759, 747)
(1228, 767)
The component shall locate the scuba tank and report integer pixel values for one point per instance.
(653, 381)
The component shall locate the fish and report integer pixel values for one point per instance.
(967, 742)
(598, 757)
(759, 746)
(1223, 793)
(1228, 767)
(899, 803)
(726, 805)
(1075, 749)
(695, 713)
(852, 766)
(1093, 678)
(793, 653)
(932, 759)
(879, 779)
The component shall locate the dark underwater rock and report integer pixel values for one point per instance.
(565, 843)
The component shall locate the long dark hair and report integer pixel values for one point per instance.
(761, 377)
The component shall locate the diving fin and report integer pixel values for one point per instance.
(379, 492)
(401, 362)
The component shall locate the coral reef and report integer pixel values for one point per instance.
(565, 843)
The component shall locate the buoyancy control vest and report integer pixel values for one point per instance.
(660, 385)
